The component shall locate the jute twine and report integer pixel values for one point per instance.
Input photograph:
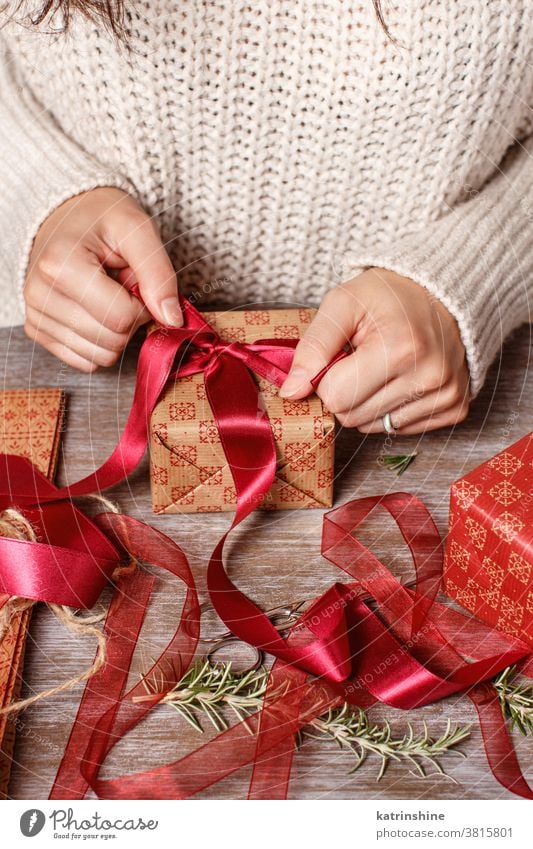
(15, 526)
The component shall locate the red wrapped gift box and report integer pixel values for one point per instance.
(488, 566)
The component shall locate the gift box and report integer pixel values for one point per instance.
(188, 469)
(30, 425)
(488, 565)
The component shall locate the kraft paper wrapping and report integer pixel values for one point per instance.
(30, 425)
(188, 469)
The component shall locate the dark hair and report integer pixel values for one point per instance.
(110, 13)
(107, 13)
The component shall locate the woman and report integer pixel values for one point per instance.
(288, 151)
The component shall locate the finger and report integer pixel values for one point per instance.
(73, 318)
(435, 406)
(331, 329)
(59, 350)
(397, 393)
(354, 380)
(138, 241)
(78, 344)
(434, 423)
(450, 399)
(450, 418)
(126, 278)
(81, 278)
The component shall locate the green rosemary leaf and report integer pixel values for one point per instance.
(189, 717)
(396, 462)
(516, 700)
(209, 688)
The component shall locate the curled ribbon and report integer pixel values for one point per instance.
(339, 640)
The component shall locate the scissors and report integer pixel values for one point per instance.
(282, 617)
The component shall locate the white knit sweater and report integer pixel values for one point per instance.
(285, 145)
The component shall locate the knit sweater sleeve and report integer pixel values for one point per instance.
(40, 168)
(477, 259)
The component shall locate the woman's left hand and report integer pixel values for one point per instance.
(409, 360)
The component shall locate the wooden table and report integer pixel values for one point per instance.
(274, 558)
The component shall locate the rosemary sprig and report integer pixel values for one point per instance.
(516, 700)
(352, 729)
(208, 688)
(396, 462)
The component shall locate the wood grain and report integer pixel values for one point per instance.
(274, 557)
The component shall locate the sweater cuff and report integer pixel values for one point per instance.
(478, 261)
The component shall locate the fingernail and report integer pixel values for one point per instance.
(172, 313)
(297, 379)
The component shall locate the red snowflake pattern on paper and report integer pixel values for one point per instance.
(276, 424)
(318, 427)
(211, 475)
(459, 555)
(505, 463)
(234, 334)
(256, 317)
(467, 596)
(200, 391)
(305, 316)
(491, 597)
(183, 455)
(160, 475)
(230, 495)
(476, 532)
(289, 493)
(177, 493)
(519, 567)
(466, 493)
(296, 408)
(161, 430)
(511, 615)
(299, 457)
(208, 431)
(507, 526)
(512, 609)
(187, 499)
(494, 571)
(505, 493)
(286, 331)
(325, 478)
(182, 411)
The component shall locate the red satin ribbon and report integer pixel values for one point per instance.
(340, 639)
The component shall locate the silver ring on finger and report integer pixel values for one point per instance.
(388, 426)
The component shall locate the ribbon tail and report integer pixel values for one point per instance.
(499, 749)
(122, 628)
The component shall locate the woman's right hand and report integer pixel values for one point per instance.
(74, 308)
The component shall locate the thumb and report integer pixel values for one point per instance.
(333, 326)
(140, 246)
